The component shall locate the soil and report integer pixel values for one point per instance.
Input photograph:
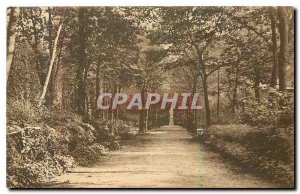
(167, 157)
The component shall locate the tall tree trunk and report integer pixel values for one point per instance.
(194, 113)
(257, 79)
(86, 95)
(186, 118)
(37, 46)
(218, 97)
(142, 114)
(114, 111)
(204, 76)
(141, 121)
(274, 76)
(283, 32)
(49, 98)
(117, 108)
(81, 91)
(147, 119)
(57, 88)
(206, 101)
(57, 78)
(57, 83)
(97, 92)
(50, 67)
(104, 112)
(234, 97)
(11, 37)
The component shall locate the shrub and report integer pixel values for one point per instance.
(111, 130)
(268, 151)
(37, 153)
(56, 117)
(278, 111)
(20, 112)
(80, 135)
(233, 132)
(32, 156)
(88, 155)
(123, 129)
(102, 130)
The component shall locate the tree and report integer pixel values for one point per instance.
(82, 63)
(283, 32)
(148, 76)
(263, 23)
(112, 53)
(11, 37)
(33, 23)
(50, 67)
(113, 49)
(195, 28)
(274, 77)
(186, 79)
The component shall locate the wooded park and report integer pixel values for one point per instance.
(240, 60)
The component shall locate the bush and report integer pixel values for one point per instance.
(102, 130)
(20, 112)
(37, 153)
(111, 130)
(88, 155)
(268, 151)
(278, 111)
(123, 129)
(233, 132)
(56, 117)
(80, 135)
(32, 156)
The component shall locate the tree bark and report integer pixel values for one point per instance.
(37, 45)
(51, 83)
(283, 32)
(234, 97)
(97, 92)
(206, 101)
(142, 114)
(274, 76)
(57, 83)
(114, 112)
(218, 97)
(147, 119)
(11, 37)
(81, 91)
(50, 67)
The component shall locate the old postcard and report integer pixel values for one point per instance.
(150, 97)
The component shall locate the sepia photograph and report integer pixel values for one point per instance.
(150, 97)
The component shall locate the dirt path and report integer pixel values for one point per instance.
(164, 158)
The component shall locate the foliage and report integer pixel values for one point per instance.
(35, 154)
(123, 129)
(109, 49)
(109, 130)
(269, 151)
(276, 112)
(86, 155)
(80, 136)
(20, 112)
(265, 142)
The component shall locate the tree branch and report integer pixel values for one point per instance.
(244, 23)
(215, 69)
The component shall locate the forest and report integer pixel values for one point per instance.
(60, 59)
